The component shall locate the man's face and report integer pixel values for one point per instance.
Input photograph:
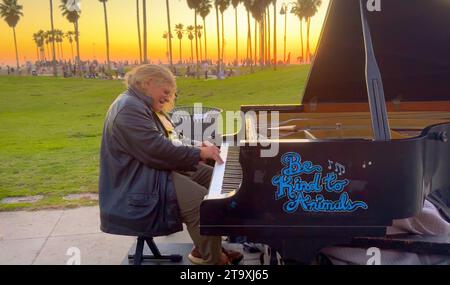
(160, 92)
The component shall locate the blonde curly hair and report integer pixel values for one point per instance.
(162, 75)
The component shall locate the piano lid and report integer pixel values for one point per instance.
(411, 39)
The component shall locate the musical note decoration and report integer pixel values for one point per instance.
(330, 164)
(338, 168)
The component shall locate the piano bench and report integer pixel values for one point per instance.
(138, 257)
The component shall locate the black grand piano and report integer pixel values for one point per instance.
(366, 146)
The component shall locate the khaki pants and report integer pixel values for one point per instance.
(191, 188)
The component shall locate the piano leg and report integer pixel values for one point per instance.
(273, 256)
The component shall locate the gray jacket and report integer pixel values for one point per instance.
(136, 192)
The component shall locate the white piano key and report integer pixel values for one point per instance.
(215, 187)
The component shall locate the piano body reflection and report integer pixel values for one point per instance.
(365, 147)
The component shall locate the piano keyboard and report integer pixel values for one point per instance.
(227, 177)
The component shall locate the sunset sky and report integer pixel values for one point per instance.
(123, 30)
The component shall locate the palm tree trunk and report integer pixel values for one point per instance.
(181, 58)
(58, 52)
(249, 40)
(37, 53)
(167, 49)
(144, 14)
(223, 37)
(204, 34)
(192, 53)
(301, 39)
(218, 39)
(48, 51)
(264, 41)
(107, 36)
(197, 67)
(248, 49)
(61, 47)
(275, 35)
(268, 37)
(53, 42)
(256, 42)
(15, 45)
(42, 53)
(139, 31)
(308, 53)
(77, 41)
(201, 49)
(285, 30)
(169, 35)
(71, 47)
(261, 41)
(237, 39)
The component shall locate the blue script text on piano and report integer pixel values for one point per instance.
(291, 185)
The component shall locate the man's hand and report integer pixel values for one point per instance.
(207, 143)
(210, 152)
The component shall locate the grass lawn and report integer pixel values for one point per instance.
(50, 129)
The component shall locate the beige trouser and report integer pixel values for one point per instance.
(191, 188)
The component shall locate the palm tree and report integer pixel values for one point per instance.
(267, 47)
(235, 3)
(55, 73)
(40, 44)
(311, 8)
(59, 36)
(144, 15)
(36, 41)
(199, 35)
(48, 39)
(195, 4)
(107, 32)
(69, 35)
(190, 30)
(72, 17)
(56, 44)
(170, 37)
(216, 5)
(165, 36)
(179, 29)
(40, 35)
(300, 11)
(248, 4)
(51, 39)
(46, 49)
(255, 14)
(204, 10)
(223, 6)
(11, 11)
(268, 57)
(284, 11)
(275, 34)
(257, 11)
(139, 31)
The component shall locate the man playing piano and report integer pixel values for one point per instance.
(150, 181)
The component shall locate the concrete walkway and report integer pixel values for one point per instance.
(52, 237)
